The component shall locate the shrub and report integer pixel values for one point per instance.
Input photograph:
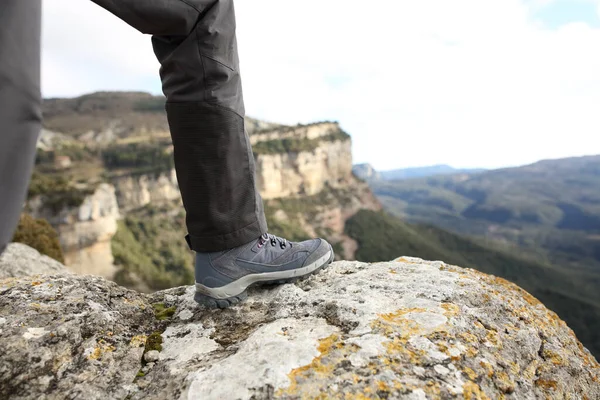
(296, 145)
(56, 191)
(149, 247)
(157, 156)
(40, 235)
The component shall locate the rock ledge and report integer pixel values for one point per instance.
(407, 329)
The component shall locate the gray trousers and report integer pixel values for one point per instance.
(195, 43)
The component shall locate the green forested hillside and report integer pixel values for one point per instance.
(571, 294)
(550, 209)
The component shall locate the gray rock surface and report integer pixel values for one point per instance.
(21, 260)
(366, 172)
(408, 329)
(68, 337)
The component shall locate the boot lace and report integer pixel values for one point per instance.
(274, 240)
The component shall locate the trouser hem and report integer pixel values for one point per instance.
(228, 241)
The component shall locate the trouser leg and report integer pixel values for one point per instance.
(20, 106)
(195, 43)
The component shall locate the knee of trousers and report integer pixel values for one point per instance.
(204, 65)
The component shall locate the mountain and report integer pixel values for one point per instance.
(420, 172)
(368, 173)
(550, 209)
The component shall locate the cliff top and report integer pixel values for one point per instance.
(108, 116)
(409, 329)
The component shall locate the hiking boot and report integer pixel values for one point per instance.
(223, 277)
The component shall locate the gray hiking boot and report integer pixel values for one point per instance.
(223, 277)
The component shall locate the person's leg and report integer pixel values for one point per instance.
(195, 43)
(20, 106)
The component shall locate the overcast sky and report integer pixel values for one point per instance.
(470, 83)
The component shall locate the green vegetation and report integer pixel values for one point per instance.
(293, 145)
(155, 104)
(550, 209)
(571, 294)
(39, 234)
(126, 114)
(150, 250)
(287, 229)
(301, 210)
(163, 313)
(77, 153)
(154, 342)
(158, 156)
(57, 192)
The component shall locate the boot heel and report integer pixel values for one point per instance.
(210, 302)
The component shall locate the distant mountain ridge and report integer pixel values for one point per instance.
(367, 172)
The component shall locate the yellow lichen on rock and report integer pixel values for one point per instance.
(316, 369)
(138, 341)
(100, 349)
(472, 391)
(451, 309)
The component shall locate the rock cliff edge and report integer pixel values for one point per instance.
(406, 329)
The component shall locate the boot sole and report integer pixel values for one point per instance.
(235, 292)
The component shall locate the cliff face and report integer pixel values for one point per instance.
(305, 173)
(280, 174)
(135, 191)
(107, 138)
(317, 167)
(407, 329)
(86, 231)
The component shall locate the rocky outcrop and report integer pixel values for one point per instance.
(312, 131)
(49, 140)
(135, 191)
(305, 173)
(366, 172)
(408, 329)
(21, 260)
(85, 231)
(308, 172)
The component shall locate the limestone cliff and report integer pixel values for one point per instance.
(85, 231)
(305, 172)
(325, 161)
(305, 176)
(309, 163)
(407, 329)
(135, 191)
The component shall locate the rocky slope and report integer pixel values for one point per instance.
(407, 329)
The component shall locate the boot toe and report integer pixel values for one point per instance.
(321, 248)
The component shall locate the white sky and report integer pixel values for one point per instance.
(470, 83)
